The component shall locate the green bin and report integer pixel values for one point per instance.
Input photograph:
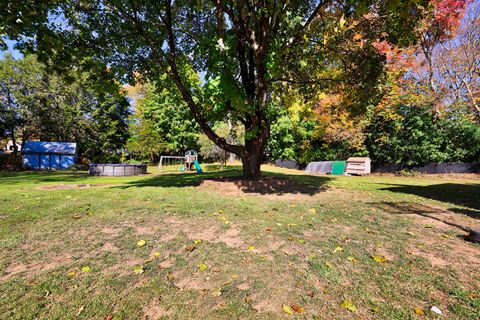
(338, 167)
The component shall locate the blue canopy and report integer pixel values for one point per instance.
(63, 148)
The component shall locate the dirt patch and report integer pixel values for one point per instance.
(166, 263)
(147, 230)
(154, 311)
(36, 268)
(111, 231)
(434, 260)
(268, 186)
(109, 247)
(68, 186)
(201, 281)
(195, 229)
(244, 286)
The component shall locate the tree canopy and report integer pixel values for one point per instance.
(226, 58)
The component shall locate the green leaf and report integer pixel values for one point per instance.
(287, 309)
(86, 269)
(138, 269)
(379, 259)
(347, 304)
(202, 267)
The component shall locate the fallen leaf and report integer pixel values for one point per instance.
(418, 311)
(202, 267)
(312, 210)
(216, 292)
(141, 243)
(297, 308)
(156, 254)
(337, 249)
(301, 241)
(220, 211)
(138, 269)
(292, 224)
(190, 248)
(347, 304)
(369, 231)
(268, 229)
(311, 294)
(379, 259)
(328, 265)
(434, 309)
(287, 309)
(352, 259)
(375, 310)
(86, 269)
(80, 310)
(429, 226)
(251, 248)
(473, 296)
(198, 241)
(357, 37)
(71, 273)
(445, 236)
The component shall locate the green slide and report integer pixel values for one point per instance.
(197, 166)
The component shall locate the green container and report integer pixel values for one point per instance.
(338, 167)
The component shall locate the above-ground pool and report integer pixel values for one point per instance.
(117, 169)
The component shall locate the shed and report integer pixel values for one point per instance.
(359, 165)
(39, 155)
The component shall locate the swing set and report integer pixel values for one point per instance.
(188, 162)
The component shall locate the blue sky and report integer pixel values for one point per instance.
(10, 43)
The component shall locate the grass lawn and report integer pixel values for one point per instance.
(320, 247)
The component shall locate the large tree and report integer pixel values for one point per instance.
(242, 51)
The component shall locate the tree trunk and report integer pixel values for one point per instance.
(252, 159)
(251, 166)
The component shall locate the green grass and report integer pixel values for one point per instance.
(264, 248)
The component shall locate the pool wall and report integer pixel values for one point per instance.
(117, 170)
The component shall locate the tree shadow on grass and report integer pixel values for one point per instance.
(16, 177)
(231, 180)
(465, 195)
(412, 208)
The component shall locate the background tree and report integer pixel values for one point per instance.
(84, 108)
(245, 51)
(162, 123)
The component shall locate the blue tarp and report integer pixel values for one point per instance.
(49, 155)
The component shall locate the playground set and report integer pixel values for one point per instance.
(186, 163)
